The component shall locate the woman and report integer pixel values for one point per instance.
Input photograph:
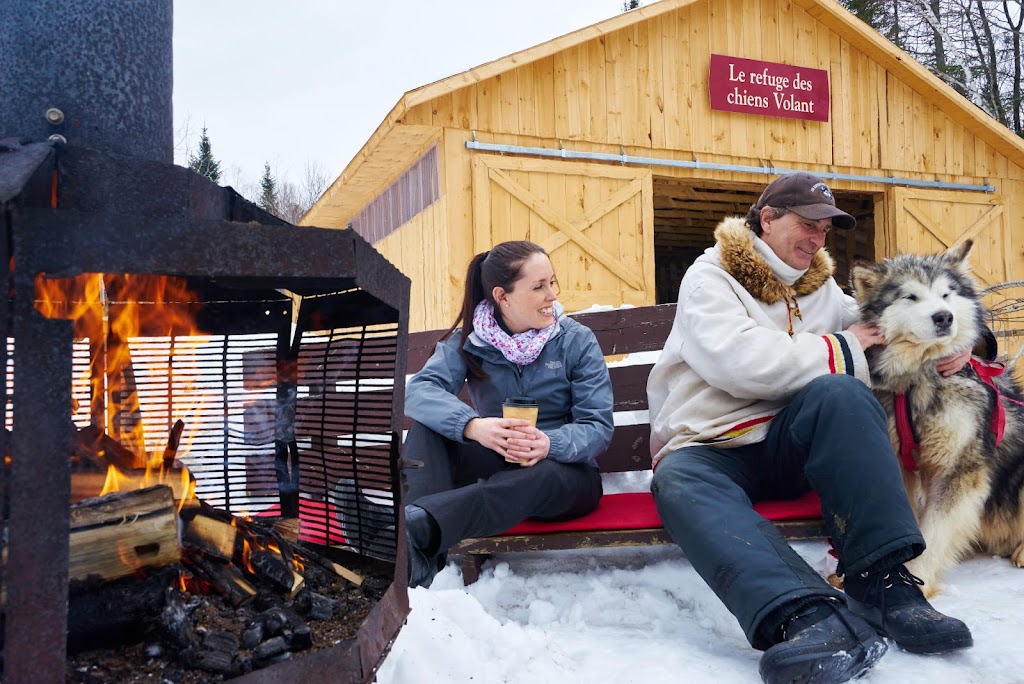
(472, 473)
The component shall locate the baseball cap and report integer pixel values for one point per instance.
(805, 195)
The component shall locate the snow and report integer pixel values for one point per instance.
(644, 615)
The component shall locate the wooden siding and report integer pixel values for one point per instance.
(645, 86)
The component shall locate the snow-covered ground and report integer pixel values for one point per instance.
(643, 615)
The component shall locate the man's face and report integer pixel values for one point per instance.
(793, 238)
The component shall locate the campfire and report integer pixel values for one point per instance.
(202, 403)
(213, 577)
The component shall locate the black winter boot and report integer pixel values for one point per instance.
(824, 643)
(894, 605)
(422, 536)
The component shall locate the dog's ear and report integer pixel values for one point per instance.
(864, 278)
(957, 255)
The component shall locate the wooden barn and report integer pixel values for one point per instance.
(620, 146)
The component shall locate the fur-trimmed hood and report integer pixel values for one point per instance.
(742, 261)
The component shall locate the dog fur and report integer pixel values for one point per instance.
(967, 493)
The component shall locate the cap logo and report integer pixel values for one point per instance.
(825, 192)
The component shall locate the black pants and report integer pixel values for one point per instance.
(472, 492)
(832, 438)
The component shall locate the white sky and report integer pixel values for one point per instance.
(308, 81)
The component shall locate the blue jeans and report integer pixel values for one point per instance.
(832, 438)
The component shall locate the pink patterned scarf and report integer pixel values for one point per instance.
(521, 349)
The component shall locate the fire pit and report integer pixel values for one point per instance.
(225, 366)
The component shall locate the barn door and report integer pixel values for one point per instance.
(929, 221)
(595, 221)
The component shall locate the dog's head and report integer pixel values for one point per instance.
(925, 306)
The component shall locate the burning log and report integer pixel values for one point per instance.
(98, 449)
(173, 439)
(214, 535)
(119, 534)
(223, 577)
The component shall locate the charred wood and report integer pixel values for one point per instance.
(112, 613)
(222, 577)
(173, 440)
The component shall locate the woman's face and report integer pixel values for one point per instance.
(529, 304)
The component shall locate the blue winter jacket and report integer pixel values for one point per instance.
(569, 380)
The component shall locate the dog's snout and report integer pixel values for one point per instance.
(942, 319)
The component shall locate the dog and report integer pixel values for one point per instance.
(963, 469)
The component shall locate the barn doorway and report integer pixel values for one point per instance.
(686, 211)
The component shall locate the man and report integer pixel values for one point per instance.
(762, 391)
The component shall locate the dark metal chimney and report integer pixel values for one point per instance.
(97, 73)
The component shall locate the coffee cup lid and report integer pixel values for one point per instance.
(520, 401)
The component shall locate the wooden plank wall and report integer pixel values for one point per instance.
(646, 86)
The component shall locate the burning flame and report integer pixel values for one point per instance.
(109, 311)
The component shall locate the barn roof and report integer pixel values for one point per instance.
(393, 146)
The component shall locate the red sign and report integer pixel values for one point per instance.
(769, 89)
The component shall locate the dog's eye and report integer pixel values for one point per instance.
(911, 297)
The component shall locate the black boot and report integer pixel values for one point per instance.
(894, 605)
(822, 644)
(422, 537)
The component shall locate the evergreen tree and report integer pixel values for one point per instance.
(268, 191)
(203, 162)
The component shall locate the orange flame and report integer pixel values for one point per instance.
(109, 312)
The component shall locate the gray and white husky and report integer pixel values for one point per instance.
(960, 439)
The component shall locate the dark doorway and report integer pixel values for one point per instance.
(686, 212)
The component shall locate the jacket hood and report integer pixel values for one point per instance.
(741, 260)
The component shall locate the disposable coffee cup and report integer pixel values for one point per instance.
(520, 407)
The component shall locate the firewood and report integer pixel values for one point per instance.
(304, 552)
(224, 578)
(173, 439)
(213, 534)
(103, 613)
(116, 535)
(327, 564)
(91, 443)
(90, 484)
(288, 528)
(270, 566)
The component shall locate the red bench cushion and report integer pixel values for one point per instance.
(636, 511)
(627, 511)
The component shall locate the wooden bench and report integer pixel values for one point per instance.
(621, 519)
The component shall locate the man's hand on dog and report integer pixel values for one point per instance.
(951, 365)
(867, 334)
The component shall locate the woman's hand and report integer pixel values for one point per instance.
(951, 365)
(529, 446)
(495, 433)
(867, 334)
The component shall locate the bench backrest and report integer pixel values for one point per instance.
(620, 331)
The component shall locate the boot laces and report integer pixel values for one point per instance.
(899, 584)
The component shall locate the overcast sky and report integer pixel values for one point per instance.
(308, 81)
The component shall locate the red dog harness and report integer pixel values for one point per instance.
(986, 370)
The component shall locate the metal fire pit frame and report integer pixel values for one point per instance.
(68, 210)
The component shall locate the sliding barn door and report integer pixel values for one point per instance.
(595, 221)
